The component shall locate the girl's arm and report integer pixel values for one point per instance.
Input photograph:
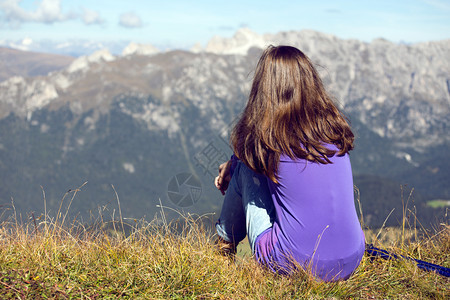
(225, 172)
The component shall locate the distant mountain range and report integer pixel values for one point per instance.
(23, 63)
(74, 48)
(137, 120)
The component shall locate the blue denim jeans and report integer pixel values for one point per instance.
(247, 207)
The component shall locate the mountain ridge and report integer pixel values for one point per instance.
(411, 80)
(29, 64)
(136, 120)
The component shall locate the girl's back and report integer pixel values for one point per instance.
(292, 132)
(316, 221)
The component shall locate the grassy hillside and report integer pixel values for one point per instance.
(25, 63)
(386, 202)
(58, 258)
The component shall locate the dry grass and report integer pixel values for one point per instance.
(48, 258)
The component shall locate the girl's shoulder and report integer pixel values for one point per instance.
(285, 158)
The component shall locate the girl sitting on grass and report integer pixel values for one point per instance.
(289, 184)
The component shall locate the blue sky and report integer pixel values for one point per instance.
(181, 24)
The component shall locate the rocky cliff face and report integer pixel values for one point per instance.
(401, 92)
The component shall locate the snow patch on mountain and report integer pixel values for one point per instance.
(10, 88)
(156, 117)
(129, 167)
(39, 93)
(62, 81)
(139, 49)
(239, 44)
(24, 97)
(406, 156)
(82, 63)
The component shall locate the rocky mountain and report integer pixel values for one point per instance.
(411, 82)
(138, 120)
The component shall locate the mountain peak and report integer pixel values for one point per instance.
(139, 49)
(240, 43)
(82, 63)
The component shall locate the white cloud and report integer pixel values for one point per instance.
(91, 17)
(130, 20)
(25, 44)
(47, 11)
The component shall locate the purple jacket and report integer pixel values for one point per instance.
(316, 225)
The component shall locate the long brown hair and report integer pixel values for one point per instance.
(288, 112)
